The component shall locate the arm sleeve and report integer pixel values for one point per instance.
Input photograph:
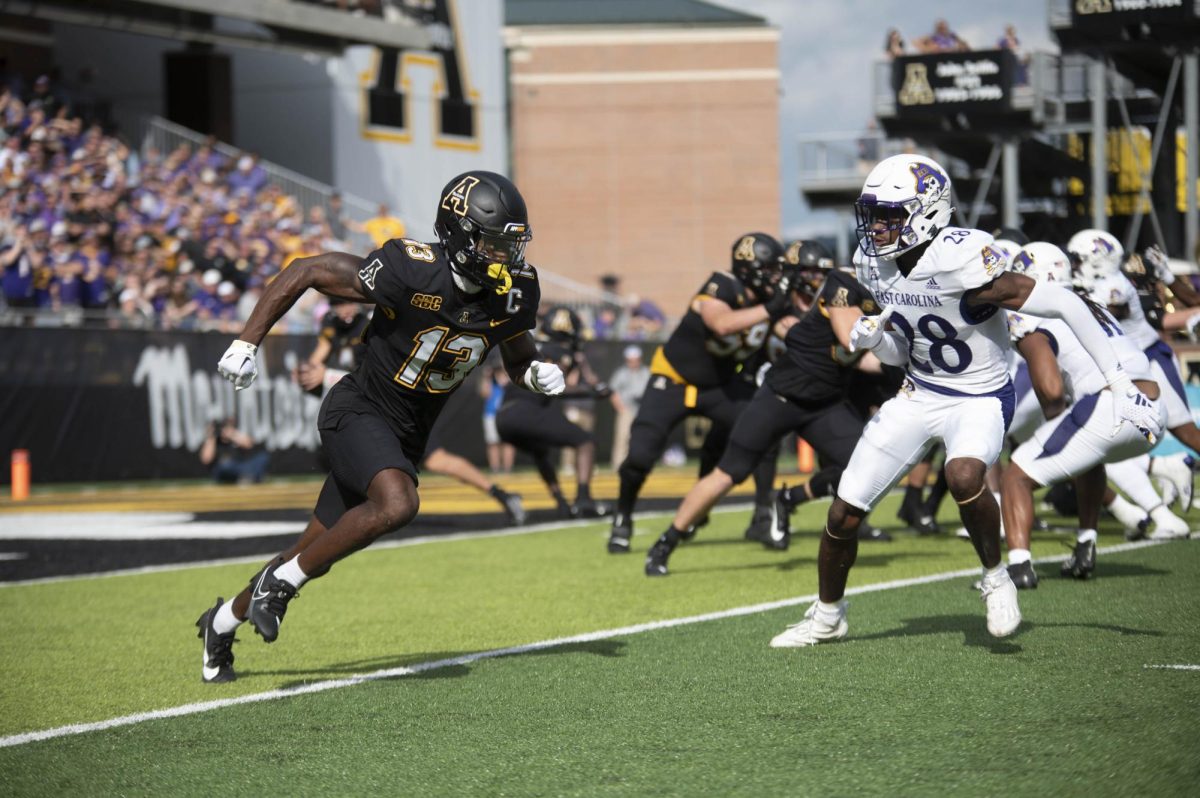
(1093, 327)
(892, 349)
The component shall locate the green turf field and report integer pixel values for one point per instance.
(919, 700)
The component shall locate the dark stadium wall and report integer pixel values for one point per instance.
(126, 404)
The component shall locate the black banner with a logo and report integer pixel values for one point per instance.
(952, 82)
(1111, 16)
(124, 404)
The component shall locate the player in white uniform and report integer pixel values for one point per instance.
(1078, 443)
(1099, 256)
(942, 318)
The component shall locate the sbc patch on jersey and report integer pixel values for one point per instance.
(367, 273)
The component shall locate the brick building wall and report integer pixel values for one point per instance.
(645, 151)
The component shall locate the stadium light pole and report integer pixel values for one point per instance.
(1099, 91)
(1191, 120)
(1011, 188)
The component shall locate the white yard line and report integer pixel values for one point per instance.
(467, 659)
(1172, 667)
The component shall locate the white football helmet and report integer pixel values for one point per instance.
(904, 202)
(1097, 255)
(1043, 262)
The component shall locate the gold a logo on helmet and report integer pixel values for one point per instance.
(793, 253)
(457, 200)
(916, 89)
(744, 249)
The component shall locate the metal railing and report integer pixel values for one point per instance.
(165, 136)
(833, 160)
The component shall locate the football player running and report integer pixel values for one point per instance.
(804, 391)
(945, 287)
(1098, 257)
(536, 424)
(439, 309)
(1075, 444)
(695, 371)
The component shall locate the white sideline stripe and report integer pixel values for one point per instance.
(1173, 667)
(467, 659)
(387, 544)
(13, 555)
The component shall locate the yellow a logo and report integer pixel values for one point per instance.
(745, 249)
(916, 89)
(458, 198)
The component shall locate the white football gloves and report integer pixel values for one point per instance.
(544, 378)
(1157, 259)
(1130, 404)
(238, 364)
(866, 333)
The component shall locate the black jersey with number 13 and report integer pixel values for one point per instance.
(426, 335)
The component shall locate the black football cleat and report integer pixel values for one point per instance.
(619, 535)
(269, 598)
(920, 521)
(656, 559)
(588, 508)
(565, 509)
(761, 522)
(514, 508)
(777, 533)
(872, 533)
(690, 532)
(218, 649)
(1023, 576)
(1082, 561)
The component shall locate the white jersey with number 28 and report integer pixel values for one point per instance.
(959, 349)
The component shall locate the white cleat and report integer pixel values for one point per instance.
(1175, 478)
(1132, 518)
(1167, 525)
(813, 629)
(1000, 595)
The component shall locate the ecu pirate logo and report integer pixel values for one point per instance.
(930, 183)
(458, 198)
(916, 89)
(993, 260)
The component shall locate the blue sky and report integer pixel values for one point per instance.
(826, 52)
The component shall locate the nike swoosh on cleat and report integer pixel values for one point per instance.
(208, 673)
(494, 323)
(258, 594)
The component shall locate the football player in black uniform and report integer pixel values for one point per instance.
(340, 347)
(804, 391)
(536, 424)
(439, 309)
(694, 372)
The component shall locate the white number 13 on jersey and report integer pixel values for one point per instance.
(468, 349)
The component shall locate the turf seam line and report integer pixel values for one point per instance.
(467, 659)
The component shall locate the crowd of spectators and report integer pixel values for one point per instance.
(942, 39)
(184, 239)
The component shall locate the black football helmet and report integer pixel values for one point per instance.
(561, 324)
(758, 263)
(484, 226)
(808, 262)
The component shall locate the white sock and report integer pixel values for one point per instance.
(225, 621)
(1018, 556)
(290, 572)
(828, 612)
(1086, 536)
(995, 574)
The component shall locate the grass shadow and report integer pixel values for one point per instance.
(431, 664)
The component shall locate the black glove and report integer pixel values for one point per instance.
(780, 302)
